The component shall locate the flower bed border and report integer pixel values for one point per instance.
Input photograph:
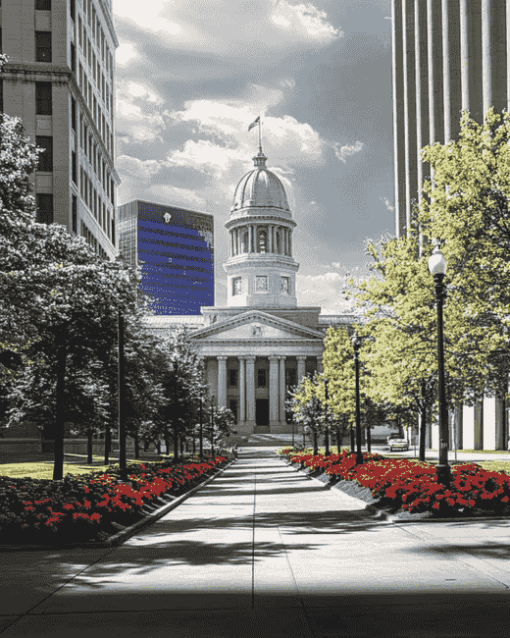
(388, 513)
(124, 534)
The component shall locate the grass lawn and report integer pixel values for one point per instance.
(44, 470)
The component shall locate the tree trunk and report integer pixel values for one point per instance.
(423, 431)
(58, 463)
(137, 447)
(353, 446)
(181, 449)
(89, 447)
(176, 446)
(107, 444)
(315, 443)
(369, 440)
(194, 446)
(338, 441)
(157, 443)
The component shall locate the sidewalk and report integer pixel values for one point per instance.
(264, 551)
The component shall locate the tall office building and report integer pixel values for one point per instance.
(60, 81)
(448, 55)
(175, 249)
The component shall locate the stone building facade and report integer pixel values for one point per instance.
(60, 80)
(261, 342)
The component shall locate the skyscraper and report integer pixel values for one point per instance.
(60, 81)
(448, 55)
(175, 249)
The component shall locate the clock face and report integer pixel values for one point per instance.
(167, 217)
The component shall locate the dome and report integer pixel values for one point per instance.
(260, 187)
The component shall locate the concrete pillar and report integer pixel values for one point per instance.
(222, 381)
(282, 389)
(250, 391)
(273, 390)
(486, 56)
(242, 390)
(250, 238)
(398, 110)
(411, 185)
(270, 238)
(301, 368)
(446, 72)
(464, 54)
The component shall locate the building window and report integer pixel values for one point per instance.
(46, 157)
(260, 283)
(233, 408)
(237, 286)
(73, 168)
(43, 98)
(285, 282)
(261, 377)
(74, 220)
(80, 32)
(290, 377)
(73, 113)
(232, 378)
(262, 241)
(43, 46)
(113, 232)
(44, 209)
(73, 58)
(43, 5)
(73, 10)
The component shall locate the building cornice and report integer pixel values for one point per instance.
(266, 218)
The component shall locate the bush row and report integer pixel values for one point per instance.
(93, 506)
(412, 485)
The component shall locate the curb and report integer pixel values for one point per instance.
(127, 532)
(394, 519)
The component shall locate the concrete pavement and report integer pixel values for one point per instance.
(264, 551)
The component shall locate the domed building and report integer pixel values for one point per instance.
(261, 342)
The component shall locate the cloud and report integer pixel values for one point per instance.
(342, 152)
(230, 26)
(139, 113)
(324, 290)
(387, 203)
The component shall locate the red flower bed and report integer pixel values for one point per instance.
(413, 486)
(80, 508)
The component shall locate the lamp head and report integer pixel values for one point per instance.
(356, 341)
(437, 262)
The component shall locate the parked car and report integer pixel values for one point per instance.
(393, 436)
(399, 444)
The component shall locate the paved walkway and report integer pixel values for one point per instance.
(264, 551)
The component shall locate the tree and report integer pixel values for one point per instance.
(308, 408)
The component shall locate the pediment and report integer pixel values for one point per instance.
(253, 325)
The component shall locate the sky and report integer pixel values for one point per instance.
(193, 74)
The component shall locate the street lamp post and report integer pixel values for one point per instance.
(201, 432)
(437, 266)
(326, 414)
(356, 344)
(120, 404)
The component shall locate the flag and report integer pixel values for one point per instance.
(254, 123)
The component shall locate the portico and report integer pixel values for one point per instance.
(251, 361)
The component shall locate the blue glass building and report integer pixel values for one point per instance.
(175, 249)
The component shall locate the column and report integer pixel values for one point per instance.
(320, 367)
(270, 238)
(222, 381)
(232, 253)
(250, 238)
(273, 391)
(301, 368)
(282, 390)
(446, 72)
(242, 390)
(459, 424)
(250, 391)
(290, 242)
(464, 54)
(486, 57)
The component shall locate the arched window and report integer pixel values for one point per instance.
(262, 241)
